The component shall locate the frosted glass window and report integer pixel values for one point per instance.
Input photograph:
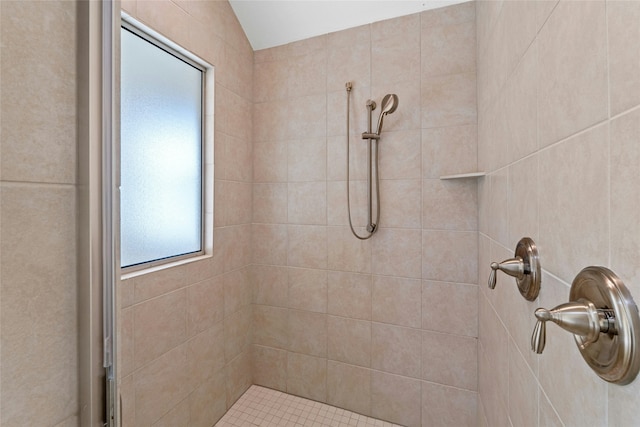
(161, 153)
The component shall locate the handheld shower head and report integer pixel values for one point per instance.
(389, 105)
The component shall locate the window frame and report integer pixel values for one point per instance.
(206, 149)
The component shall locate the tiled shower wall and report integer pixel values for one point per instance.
(559, 125)
(38, 326)
(186, 331)
(385, 327)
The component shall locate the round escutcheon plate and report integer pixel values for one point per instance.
(529, 285)
(614, 356)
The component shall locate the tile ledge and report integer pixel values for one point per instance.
(464, 175)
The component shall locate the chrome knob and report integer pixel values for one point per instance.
(580, 318)
(524, 266)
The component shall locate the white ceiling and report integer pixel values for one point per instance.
(269, 23)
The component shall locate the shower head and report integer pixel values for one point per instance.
(389, 105)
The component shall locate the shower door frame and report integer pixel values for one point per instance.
(97, 206)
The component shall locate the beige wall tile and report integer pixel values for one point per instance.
(395, 349)
(449, 100)
(573, 70)
(396, 399)
(346, 252)
(547, 415)
(270, 161)
(543, 10)
(307, 203)
(127, 360)
(307, 117)
(492, 358)
(448, 48)
(307, 160)
(239, 159)
(349, 57)
(240, 248)
(520, 107)
(349, 387)
(160, 324)
(349, 295)
(450, 256)
(39, 138)
(349, 340)
(205, 355)
(450, 204)
(270, 326)
(493, 401)
(449, 151)
(270, 80)
(237, 290)
(308, 333)
(399, 152)
(487, 13)
(624, 59)
(574, 202)
(337, 211)
(205, 305)
(270, 203)
(307, 246)
(400, 203)
(128, 407)
(523, 388)
(450, 360)
(625, 201)
(237, 332)
(236, 118)
(161, 385)
(307, 376)
(396, 252)
(459, 315)
(235, 71)
(238, 203)
(308, 289)
(207, 403)
(269, 244)
(499, 206)
(270, 285)
(448, 406)
(238, 378)
(578, 395)
(523, 200)
(176, 417)
(308, 72)
(159, 282)
(269, 367)
(39, 315)
(397, 301)
(395, 50)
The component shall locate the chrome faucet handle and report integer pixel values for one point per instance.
(582, 319)
(524, 266)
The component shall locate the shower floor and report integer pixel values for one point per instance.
(261, 406)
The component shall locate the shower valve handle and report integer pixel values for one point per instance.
(581, 318)
(513, 267)
(524, 267)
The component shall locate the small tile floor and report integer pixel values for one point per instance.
(264, 407)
